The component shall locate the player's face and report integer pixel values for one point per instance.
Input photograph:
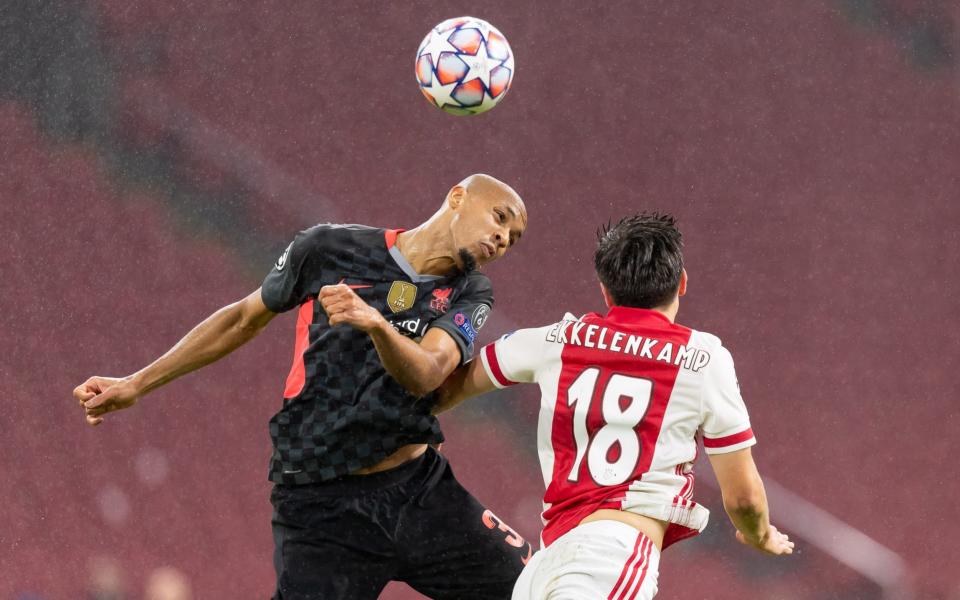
(487, 227)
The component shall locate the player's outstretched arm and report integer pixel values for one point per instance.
(219, 334)
(746, 502)
(419, 367)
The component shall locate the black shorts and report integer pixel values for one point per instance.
(345, 539)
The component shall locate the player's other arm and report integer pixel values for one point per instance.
(216, 336)
(727, 438)
(745, 501)
(419, 367)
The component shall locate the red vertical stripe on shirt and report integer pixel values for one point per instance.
(570, 501)
(297, 376)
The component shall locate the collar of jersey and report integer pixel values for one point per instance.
(390, 239)
(628, 315)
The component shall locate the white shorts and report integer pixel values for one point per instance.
(601, 560)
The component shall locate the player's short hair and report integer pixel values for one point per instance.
(639, 260)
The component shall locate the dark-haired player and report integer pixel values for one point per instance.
(625, 396)
(360, 498)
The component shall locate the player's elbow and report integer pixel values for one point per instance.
(436, 368)
(416, 388)
(747, 500)
(417, 376)
(430, 383)
(423, 372)
(249, 316)
(421, 382)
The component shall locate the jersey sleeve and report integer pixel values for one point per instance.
(725, 422)
(515, 358)
(468, 314)
(296, 272)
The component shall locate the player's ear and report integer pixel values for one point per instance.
(456, 196)
(683, 283)
(606, 296)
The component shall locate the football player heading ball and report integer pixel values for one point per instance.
(360, 498)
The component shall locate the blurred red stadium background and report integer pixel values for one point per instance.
(156, 156)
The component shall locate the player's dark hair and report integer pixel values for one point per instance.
(639, 260)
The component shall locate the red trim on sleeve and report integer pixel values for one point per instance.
(390, 235)
(491, 353)
(729, 440)
(297, 376)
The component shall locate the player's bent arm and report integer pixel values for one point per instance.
(216, 336)
(466, 382)
(745, 501)
(419, 367)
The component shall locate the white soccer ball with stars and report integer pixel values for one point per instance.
(464, 66)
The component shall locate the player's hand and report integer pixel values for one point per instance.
(775, 542)
(101, 395)
(345, 306)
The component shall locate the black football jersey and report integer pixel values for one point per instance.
(341, 410)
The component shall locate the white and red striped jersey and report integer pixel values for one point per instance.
(624, 397)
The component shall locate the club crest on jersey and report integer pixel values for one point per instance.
(441, 300)
(401, 296)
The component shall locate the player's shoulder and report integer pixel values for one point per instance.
(478, 285)
(537, 335)
(713, 346)
(704, 339)
(322, 232)
(551, 332)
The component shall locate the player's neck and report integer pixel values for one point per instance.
(669, 311)
(426, 250)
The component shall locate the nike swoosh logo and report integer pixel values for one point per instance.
(354, 287)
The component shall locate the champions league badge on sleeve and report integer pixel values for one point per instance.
(465, 327)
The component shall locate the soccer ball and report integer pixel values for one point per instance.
(464, 66)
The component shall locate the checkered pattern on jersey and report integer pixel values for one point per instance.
(350, 413)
